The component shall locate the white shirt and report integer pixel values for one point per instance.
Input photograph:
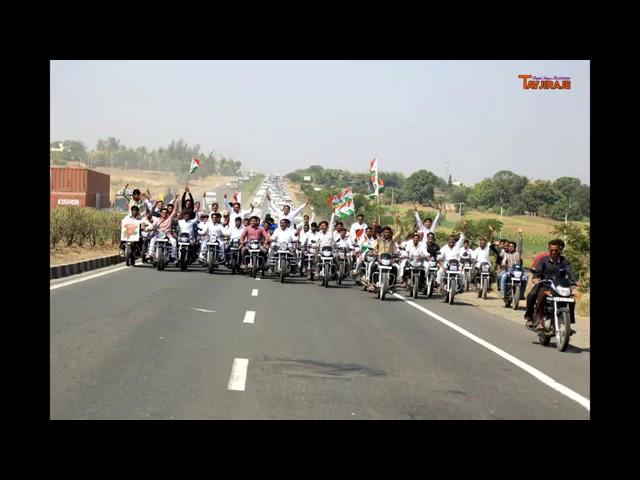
(186, 225)
(336, 235)
(310, 237)
(280, 235)
(425, 230)
(215, 231)
(242, 214)
(234, 232)
(466, 252)
(343, 242)
(416, 250)
(481, 255)
(356, 226)
(149, 225)
(302, 237)
(279, 214)
(447, 253)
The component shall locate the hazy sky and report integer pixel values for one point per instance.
(276, 116)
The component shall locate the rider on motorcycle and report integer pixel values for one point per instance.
(253, 232)
(384, 244)
(429, 224)
(511, 257)
(450, 251)
(412, 249)
(546, 269)
(165, 224)
(480, 255)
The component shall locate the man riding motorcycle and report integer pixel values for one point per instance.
(546, 270)
(412, 249)
(384, 244)
(165, 224)
(450, 251)
(511, 257)
(254, 232)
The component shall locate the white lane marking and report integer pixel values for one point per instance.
(257, 278)
(250, 316)
(84, 279)
(238, 377)
(547, 380)
(203, 310)
(254, 292)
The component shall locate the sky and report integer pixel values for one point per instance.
(278, 116)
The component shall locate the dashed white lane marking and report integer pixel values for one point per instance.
(254, 292)
(257, 278)
(203, 310)
(547, 380)
(250, 316)
(238, 378)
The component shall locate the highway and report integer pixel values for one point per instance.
(135, 343)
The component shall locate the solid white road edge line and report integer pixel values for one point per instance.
(254, 292)
(249, 317)
(89, 277)
(238, 377)
(547, 380)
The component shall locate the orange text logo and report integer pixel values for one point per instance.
(531, 82)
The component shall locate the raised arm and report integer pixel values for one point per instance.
(124, 193)
(332, 222)
(400, 230)
(435, 222)
(418, 219)
(299, 209)
(313, 216)
(175, 208)
(460, 241)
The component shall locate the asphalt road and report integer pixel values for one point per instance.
(141, 344)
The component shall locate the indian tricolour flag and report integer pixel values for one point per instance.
(376, 181)
(195, 164)
(346, 209)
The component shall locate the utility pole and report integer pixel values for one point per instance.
(391, 196)
(460, 211)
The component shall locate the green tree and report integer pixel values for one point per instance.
(483, 195)
(539, 196)
(420, 185)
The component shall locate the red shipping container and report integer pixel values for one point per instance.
(75, 179)
(80, 187)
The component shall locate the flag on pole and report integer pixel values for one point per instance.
(195, 164)
(376, 181)
(345, 207)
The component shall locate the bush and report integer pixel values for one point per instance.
(75, 226)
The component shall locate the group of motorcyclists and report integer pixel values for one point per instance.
(375, 256)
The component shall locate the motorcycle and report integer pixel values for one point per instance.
(384, 274)
(467, 266)
(513, 287)
(310, 259)
(343, 263)
(146, 240)
(233, 255)
(416, 275)
(326, 264)
(453, 282)
(557, 315)
(214, 249)
(130, 238)
(186, 250)
(366, 267)
(282, 260)
(482, 279)
(431, 277)
(255, 259)
(162, 253)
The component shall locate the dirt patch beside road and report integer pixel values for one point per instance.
(73, 254)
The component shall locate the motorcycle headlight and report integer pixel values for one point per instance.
(485, 268)
(184, 237)
(385, 261)
(564, 291)
(433, 263)
(517, 274)
(416, 263)
(253, 244)
(326, 253)
(370, 257)
(162, 235)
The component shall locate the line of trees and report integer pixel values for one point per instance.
(514, 194)
(175, 157)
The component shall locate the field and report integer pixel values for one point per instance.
(159, 182)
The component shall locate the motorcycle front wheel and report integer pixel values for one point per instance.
(564, 331)
(515, 301)
(485, 287)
